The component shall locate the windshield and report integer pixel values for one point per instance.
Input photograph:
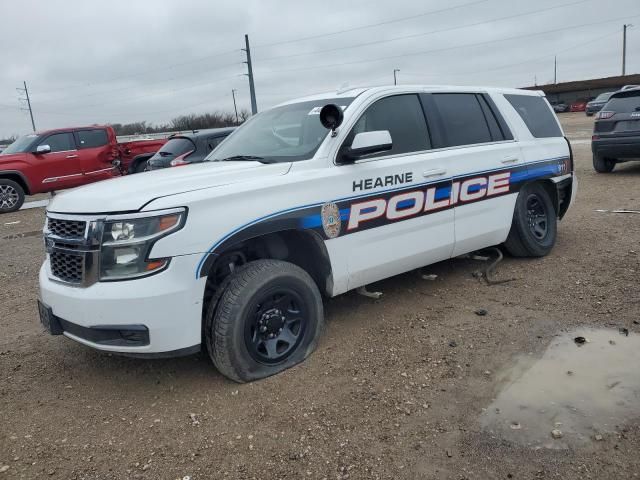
(603, 97)
(283, 134)
(21, 145)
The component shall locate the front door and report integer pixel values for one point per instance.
(397, 202)
(60, 168)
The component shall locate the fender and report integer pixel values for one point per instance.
(4, 173)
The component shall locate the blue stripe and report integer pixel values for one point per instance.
(315, 220)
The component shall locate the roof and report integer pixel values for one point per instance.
(614, 83)
(205, 132)
(66, 129)
(355, 91)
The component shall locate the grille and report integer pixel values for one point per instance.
(70, 229)
(67, 267)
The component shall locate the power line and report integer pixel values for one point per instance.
(103, 92)
(508, 65)
(421, 34)
(475, 44)
(371, 25)
(144, 72)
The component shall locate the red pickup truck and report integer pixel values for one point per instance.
(65, 158)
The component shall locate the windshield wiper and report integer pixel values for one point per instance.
(250, 158)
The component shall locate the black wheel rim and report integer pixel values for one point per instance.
(8, 197)
(537, 217)
(276, 325)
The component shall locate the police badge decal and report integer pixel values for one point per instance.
(331, 221)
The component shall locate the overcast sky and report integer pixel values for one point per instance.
(120, 61)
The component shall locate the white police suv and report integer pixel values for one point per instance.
(313, 197)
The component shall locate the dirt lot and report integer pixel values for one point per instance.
(401, 387)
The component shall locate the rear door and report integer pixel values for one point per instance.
(480, 152)
(95, 154)
(60, 168)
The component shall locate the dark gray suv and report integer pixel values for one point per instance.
(616, 131)
(187, 148)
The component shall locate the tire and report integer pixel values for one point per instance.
(11, 196)
(268, 318)
(603, 164)
(534, 227)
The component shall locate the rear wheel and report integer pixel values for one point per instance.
(534, 226)
(268, 318)
(11, 196)
(141, 166)
(603, 164)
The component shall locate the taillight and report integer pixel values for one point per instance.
(604, 115)
(180, 160)
(595, 137)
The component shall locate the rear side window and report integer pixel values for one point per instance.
(624, 103)
(59, 142)
(403, 117)
(536, 114)
(92, 138)
(463, 119)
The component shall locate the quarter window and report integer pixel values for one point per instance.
(536, 114)
(403, 117)
(463, 119)
(59, 142)
(92, 138)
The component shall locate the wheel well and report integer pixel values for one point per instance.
(304, 249)
(136, 161)
(560, 195)
(18, 179)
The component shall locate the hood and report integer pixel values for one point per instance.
(12, 157)
(132, 192)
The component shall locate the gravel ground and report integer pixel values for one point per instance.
(397, 388)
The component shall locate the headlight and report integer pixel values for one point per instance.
(127, 241)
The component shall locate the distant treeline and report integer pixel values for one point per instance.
(183, 122)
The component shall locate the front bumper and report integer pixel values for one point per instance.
(168, 305)
(617, 147)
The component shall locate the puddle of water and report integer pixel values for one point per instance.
(582, 391)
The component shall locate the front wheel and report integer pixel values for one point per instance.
(11, 196)
(534, 227)
(603, 164)
(268, 318)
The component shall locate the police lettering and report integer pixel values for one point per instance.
(386, 181)
(416, 202)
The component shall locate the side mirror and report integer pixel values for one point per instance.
(41, 149)
(331, 116)
(368, 143)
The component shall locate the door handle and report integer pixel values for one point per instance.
(509, 160)
(435, 172)
(72, 156)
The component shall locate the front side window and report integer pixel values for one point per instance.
(59, 142)
(536, 114)
(288, 133)
(92, 138)
(463, 119)
(403, 117)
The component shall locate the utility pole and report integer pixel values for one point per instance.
(395, 79)
(252, 89)
(233, 93)
(26, 93)
(555, 69)
(624, 46)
